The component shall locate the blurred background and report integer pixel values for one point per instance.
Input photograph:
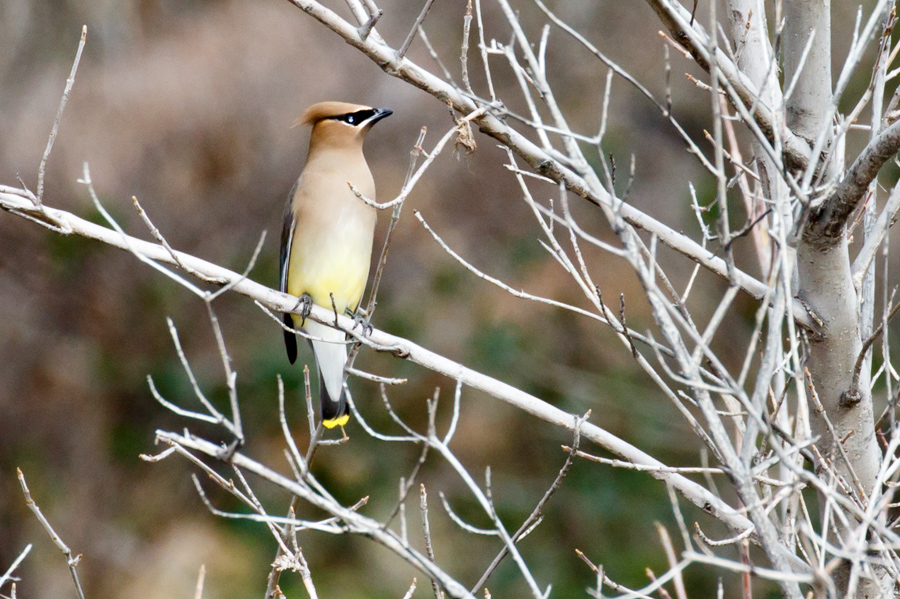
(188, 106)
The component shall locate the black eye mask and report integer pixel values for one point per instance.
(355, 118)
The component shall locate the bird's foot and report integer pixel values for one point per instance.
(361, 319)
(305, 306)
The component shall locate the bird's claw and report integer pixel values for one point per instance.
(360, 321)
(304, 303)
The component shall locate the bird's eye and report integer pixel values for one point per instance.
(354, 118)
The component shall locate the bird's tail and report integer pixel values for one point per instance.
(331, 357)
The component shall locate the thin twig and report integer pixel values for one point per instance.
(537, 513)
(201, 577)
(12, 568)
(62, 106)
(851, 396)
(57, 540)
(158, 236)
(464, 50)
(426, 532)
(415, 28)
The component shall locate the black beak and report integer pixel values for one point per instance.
(380, 113)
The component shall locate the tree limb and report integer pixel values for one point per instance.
(398, 346)
(827, 222)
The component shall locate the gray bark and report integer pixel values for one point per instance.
(825, 282)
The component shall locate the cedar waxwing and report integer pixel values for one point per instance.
(326, 241)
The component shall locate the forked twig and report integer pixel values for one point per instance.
(8, 575)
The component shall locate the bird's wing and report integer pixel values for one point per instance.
(287, 239)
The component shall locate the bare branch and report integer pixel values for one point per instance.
(201, 577)
(415, 28)
(405, 349)
(426, 533)
(62, 106)
(875, 237)
(827, 222)
(8, 575)
(57, 540)
(354, 522)
(537, 513)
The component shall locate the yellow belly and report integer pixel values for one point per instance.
(337, 270)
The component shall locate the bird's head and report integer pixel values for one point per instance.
(340, 123)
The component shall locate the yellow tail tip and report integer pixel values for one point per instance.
(339, 421)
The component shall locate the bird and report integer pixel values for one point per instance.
(326, 239)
